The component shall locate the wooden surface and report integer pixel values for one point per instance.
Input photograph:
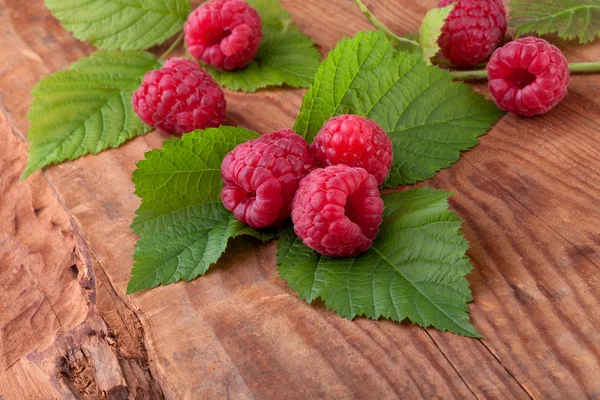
(529, 195)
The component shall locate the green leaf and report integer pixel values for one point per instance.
(122, 24)
(272, 14)
(182, 224)
(431, 29)
(86, 108)
(283, 58)
(429, 118)
(415, 269)
(408, 46)
(569, 19)
(286, 55)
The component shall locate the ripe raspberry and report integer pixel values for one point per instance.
(224, 33)
(179, 97)
(262, 175)
(337, 210)
(528, 76)
(354, 141)
(472, 31)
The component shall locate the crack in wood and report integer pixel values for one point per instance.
(529, 394)
(14, 130)
(84, 251)
(52, 308)
(89, 360)
(450, 362)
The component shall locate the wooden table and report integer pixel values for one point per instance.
(529, 195)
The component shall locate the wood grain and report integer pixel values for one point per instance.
(24, 380)
(37, 256)
(528, 196)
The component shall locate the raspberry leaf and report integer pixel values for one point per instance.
(431, 29)
(286, 55)
(272, 14)
(569, 19)
(122, 24)
(429, 118)
(415, 269)
(86, 108)
(183, 226)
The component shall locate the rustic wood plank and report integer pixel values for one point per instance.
(52, 305)
(537, 296)
(37, 259)
(50, 297)
(555, 162)
(49, 291)
(287, 110)
(243, 333)
(443, 380)
(548, 167)
(24, 380)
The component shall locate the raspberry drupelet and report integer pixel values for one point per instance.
(337, 210)
(225, 34)
(262, 175)
(179, 97)
(472, 31)
(354, 141)
(528, 76)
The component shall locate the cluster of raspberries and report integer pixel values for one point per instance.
(181, 97)
(330, 189)
(526, 77)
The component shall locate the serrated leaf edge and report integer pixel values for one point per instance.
(315, 293)
(95, 40)
(73, 69)
(528, 28)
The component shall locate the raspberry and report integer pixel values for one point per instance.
(472, 31)
(179, 97)
(528, 76)
(337, 210)
(354, 141)
(224, 33)
(262, 175)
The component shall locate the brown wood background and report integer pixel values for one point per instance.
(529, 195)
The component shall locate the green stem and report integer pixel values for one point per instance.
(584, 67)
(173, 47)
(469, 75)
(575, 68)
(442, 61)
(379, 25)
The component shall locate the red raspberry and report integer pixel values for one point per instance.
(354, 141)
(224, 33)
(528, 76)
(337, 210)
(472, 31)
(262, 175)
(179, 97)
